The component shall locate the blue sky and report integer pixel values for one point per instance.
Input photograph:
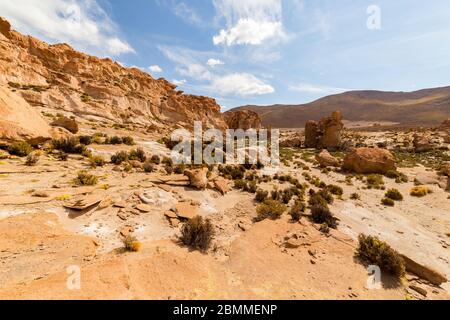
(256, 51)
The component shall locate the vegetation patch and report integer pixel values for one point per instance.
(270, 209)
(197, 233)
(20, 149)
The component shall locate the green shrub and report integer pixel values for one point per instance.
(86, 140)
(322, 215)
(32, 159)
(119, 157)
(297, 210)
(398, 176)
(137, 154)
(86, 179)
(97, 161)
(381, 254)
(197, 234)
(394, 194)
(388, 202)
(20, 149)
(251, 187)
(322, 198)
(69, 145)
(114, 140)
(240, 184)
(128, 141)
(149, 167)
(336, 190)
(272, 209)
(355, 196)
(374, 181)
(155, 159)
(261, 195)
(179, 169)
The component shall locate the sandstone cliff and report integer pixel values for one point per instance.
(58, 78)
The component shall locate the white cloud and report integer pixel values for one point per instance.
(196, 71)
(249, 22)
(214, 62)
(155, 69)
(241, 84)
(187, 13)
(316, 89)
(83, 24)
(179, 82)
(187, 62)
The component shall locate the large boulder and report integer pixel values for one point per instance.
(325, 134)
(243, 119)
(197, 177)
(422, 144)
(369, 160)
(20, 121)
(325, 159)
(69, 124)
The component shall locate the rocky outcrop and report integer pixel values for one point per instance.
(58, 78)
(20, 121)
(197, 178)
(325, 134)
(69, 124)
(369, 160)
(243, 119)
(422, 144)
(325, 159)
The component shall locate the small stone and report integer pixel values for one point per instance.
(40, 194)
(120, 204)
(144, 207)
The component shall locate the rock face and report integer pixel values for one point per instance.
(369, 160)
(20, 121)
(69, 124)
(58, 78)
(325, 134)
(422, 144)
(197, 178)
(325, 159)
(243, 119)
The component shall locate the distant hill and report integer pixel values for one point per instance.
(426, 107)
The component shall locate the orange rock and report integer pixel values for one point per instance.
(369, 160)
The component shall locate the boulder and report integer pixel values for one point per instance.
(294, 141)
(243, 119)
(422, 144)
(424, 272)
(69, 124)
(311, 134)
(185, 210)
(325, 134)
(325, 159)
(369, 160)
(197, 178)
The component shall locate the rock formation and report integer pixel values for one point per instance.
(325, 134)
(58, 78)
(369, 160)
(69, 124)
(243, 119)
(325, 159)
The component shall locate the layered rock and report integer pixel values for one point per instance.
(325, 134)
(369, 160)
(243, 119)
(58, 78)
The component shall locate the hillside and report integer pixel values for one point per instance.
(424, 107)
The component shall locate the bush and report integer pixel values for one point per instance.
(251, 187)
(272, 209)
(355, 196)
(419, 191)
(20, 149)
(179, 169)
(149, 167)
(381, 254)
(86, 140)
(261, 195)
(119, 157)
(336, 190)
(197, 234)
(297, 211)
(137, 154)
(388, 202)
(374, 181)
(394, 194)
(32, 159)
(69, 145)
(97, 161)
(398, 176)
(62, 156)
(114, 140)
(240, 184)
(86, 179)
(131, 244)
(128, 141)
(322, 215)
(322, 198)
(155, 159)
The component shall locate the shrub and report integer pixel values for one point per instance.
(119, 157)
(137, 154)
(419, 191)
(69, 145)
(355, 196)
(131, 244)
(398, 176)
(272, 209)
(381, 254)
(388, 202)
(261, 195)
(20, 149)
(155, 159)
(197, 234)
(86, 179)
(240, 184)
(149, 167)
(322, 197)
(336, 190)
(179, 169)
(394, 194)
(374, 181)
(297, 210)
(62, 156)
(32, 159)
(97, 161)
(251, 187)
(169, 169)
(115, 140)
(322, 215)
(287, 196)
(86, 140)
(128, 141)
